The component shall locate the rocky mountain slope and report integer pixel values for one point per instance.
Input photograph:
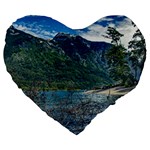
(65, 62)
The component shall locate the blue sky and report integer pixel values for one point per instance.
(96, 31)
(47, 28)
(41, 26)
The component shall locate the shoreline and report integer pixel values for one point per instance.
(119, 90)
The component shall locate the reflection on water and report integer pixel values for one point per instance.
(73, 109)
(73, 97)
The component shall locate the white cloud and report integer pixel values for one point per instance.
(47, 33)
(126, 28)
(105, 19)
(36, 31)
(20, 27)
(96, 31)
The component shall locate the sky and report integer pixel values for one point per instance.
(41, 26)
(47, 28)
(96, 31)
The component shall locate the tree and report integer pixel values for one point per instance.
(117, 64)
(114, 35)
(137, 53)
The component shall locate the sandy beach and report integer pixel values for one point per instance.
(120, 90)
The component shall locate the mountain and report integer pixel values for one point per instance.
(47, 28)
(65, 62)
(73, 45)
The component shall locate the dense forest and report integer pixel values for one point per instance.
(70, 62)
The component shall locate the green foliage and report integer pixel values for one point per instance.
(116, 58)
(114, 35)
(137, 53)
(71, 64)
(37, 64)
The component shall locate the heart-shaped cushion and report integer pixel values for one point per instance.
(73, 75)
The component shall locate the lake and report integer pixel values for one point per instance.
(73, 109)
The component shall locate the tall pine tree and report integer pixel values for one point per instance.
(117, 64)
(137, 53)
